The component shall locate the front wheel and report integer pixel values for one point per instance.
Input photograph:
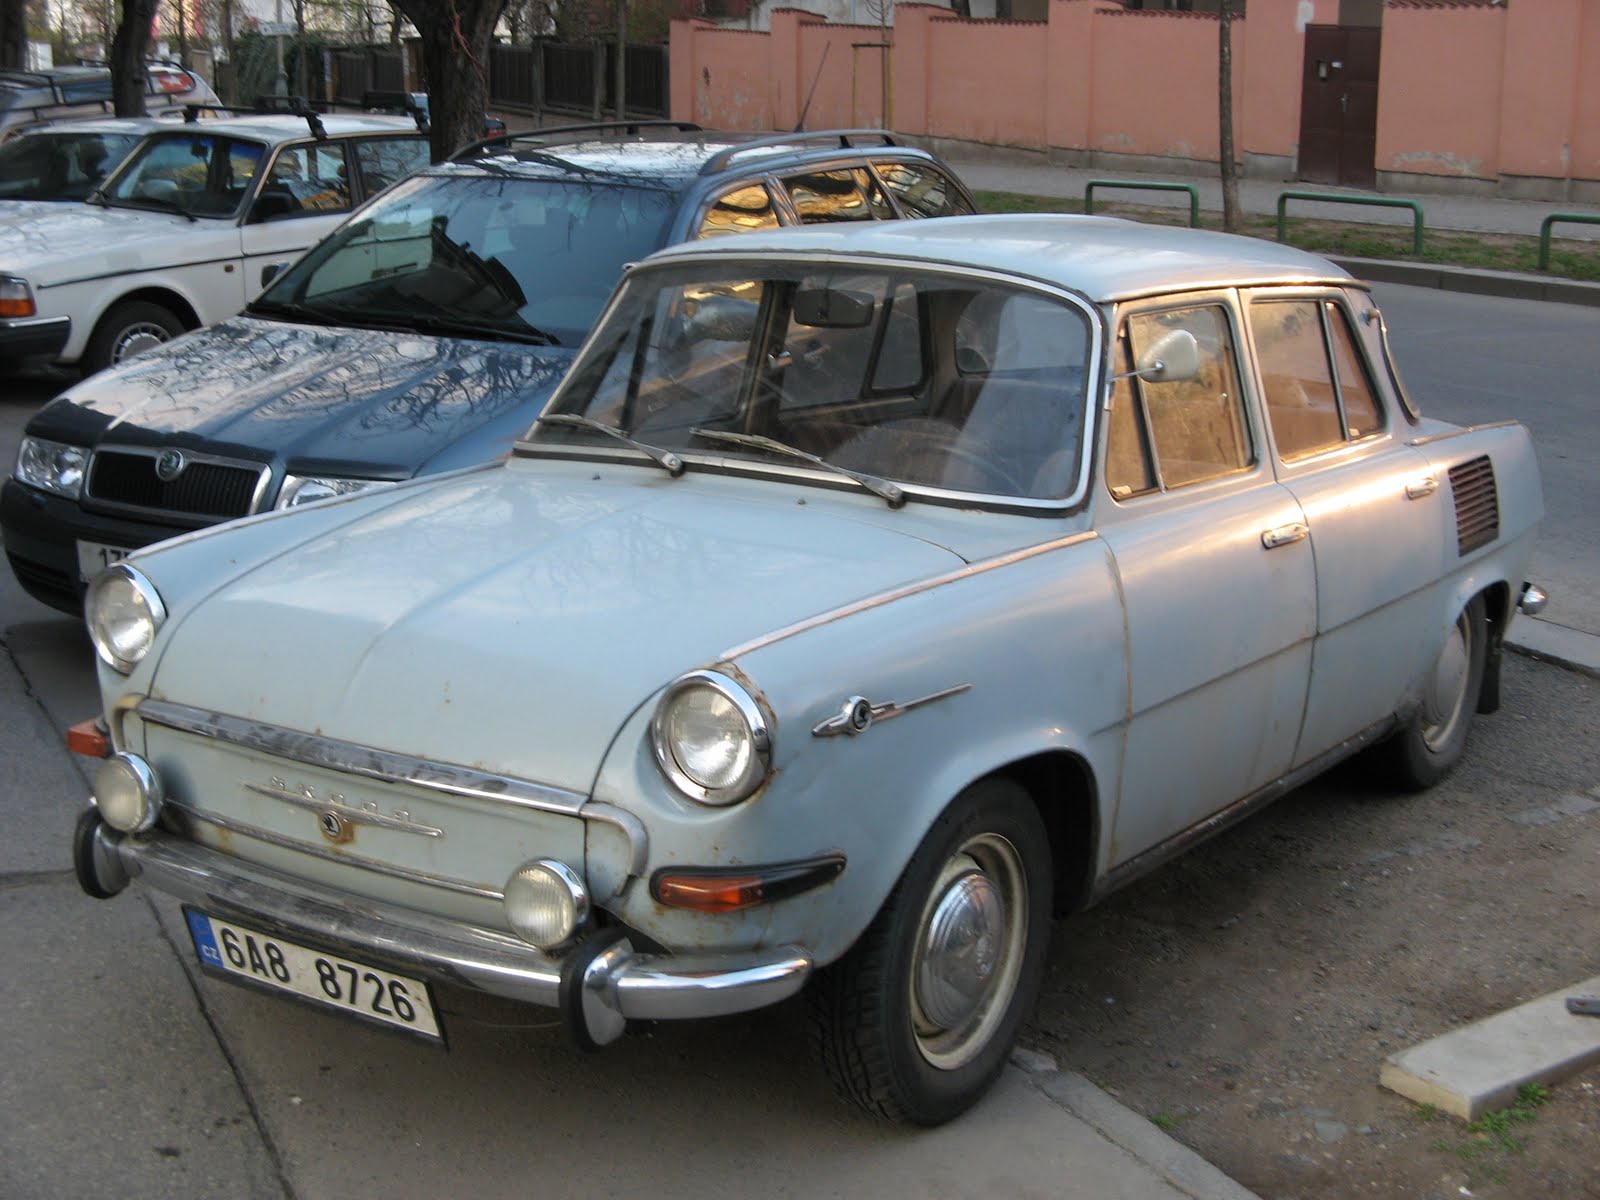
(916, 1021)
(129, 328)
(1432, 741)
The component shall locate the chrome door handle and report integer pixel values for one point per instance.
(1418, 488)
(1285, 535)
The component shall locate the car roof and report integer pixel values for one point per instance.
(668, 154)
(70, 125)
(287, 127)
(1104, 258)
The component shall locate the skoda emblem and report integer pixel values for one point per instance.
(170, 464)
(333, 827)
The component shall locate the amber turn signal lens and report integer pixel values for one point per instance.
(89, 739)
(713, 895)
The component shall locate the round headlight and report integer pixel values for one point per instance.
(123, 612)
(711, 738)
(127, 793)
(546, 902)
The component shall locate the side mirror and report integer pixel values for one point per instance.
(1171, 358)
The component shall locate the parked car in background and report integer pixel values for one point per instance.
(861, 600)
(422, 336)
(191, 226)
(33, 97)
(417, 103)
(65, 160)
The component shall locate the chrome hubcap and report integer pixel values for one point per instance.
(1445, 698)
(969, 951)
(136, 339)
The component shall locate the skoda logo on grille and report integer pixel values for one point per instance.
(170, 464)
(334, 827)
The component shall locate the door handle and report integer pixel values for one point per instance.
(1344, 102)
(1285, 535)
(1419, 488)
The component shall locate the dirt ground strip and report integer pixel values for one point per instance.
(1244, 997)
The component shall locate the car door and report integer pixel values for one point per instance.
(1217, 580)
(304, 194)
(1375, 509)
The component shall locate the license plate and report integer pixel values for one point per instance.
(324, 979)
(94, 557)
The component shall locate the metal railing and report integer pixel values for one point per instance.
(1334, 198)
(1544, 231)
(1194, 194)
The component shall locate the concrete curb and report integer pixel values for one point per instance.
(1549, 642)
(1179, 1166)
(1475, 282)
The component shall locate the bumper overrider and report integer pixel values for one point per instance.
(598, 983)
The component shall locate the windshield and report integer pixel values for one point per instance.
(941, 381)
(490, 257)
(57, 166)
(195, 173)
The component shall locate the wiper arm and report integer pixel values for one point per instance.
(893, 493)
(161, 204)
(303, 313)
(427, 323)
(666, 459)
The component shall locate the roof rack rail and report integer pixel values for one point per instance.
(294, 106)
(393, 101)
(844, 139)
(23, 75)
(564, 132)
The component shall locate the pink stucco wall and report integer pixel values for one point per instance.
(1465, 90)
(1439, 90)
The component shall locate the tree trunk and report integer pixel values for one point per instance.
(129, 48)
(455, 58)
(13, 33)
(1230, 171)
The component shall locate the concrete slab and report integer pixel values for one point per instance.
(1571, 648)
(1479, 1067)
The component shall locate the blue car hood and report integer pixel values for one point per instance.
(377, 403)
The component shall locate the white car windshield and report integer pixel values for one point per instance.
(938, 381)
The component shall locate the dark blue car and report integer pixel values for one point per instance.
(424, 334)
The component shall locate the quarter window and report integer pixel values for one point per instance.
(922, 191)
(742, 210)
(1167, 435)
(827, 197)
(1317, 389)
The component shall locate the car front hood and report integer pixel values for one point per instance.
(373, 402)
(62, 242)
(511, 619)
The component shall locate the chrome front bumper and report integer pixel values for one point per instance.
(598, 986)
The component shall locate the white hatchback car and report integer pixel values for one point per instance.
(195, 222)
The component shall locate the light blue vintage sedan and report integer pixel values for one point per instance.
(862, 600)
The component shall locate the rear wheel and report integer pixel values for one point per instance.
(1432, 741)
(916, 1021)
(127, 329)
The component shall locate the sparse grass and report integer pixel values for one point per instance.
(1483, 251)
(1167, 1122)
(1494, 1134)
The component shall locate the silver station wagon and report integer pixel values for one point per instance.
(861, 601)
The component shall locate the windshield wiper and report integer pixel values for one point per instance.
(428, 323)
(161, 204)
(893, 493)
(291, 309)
(666, 459)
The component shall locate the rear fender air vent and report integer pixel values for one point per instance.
(1477, 504)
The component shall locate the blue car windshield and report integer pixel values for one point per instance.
(521, 258)
(59, 166)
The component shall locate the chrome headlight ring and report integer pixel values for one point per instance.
(124, 613)
(711, 739)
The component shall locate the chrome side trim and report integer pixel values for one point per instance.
(354, 759)
(647, 986)
(426, 878)
(1431, 438)
(860, 714)
(900, 593)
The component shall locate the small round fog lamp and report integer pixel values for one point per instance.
(127, 793)
(546, 902)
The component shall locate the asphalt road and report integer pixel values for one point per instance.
(127, 1075)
